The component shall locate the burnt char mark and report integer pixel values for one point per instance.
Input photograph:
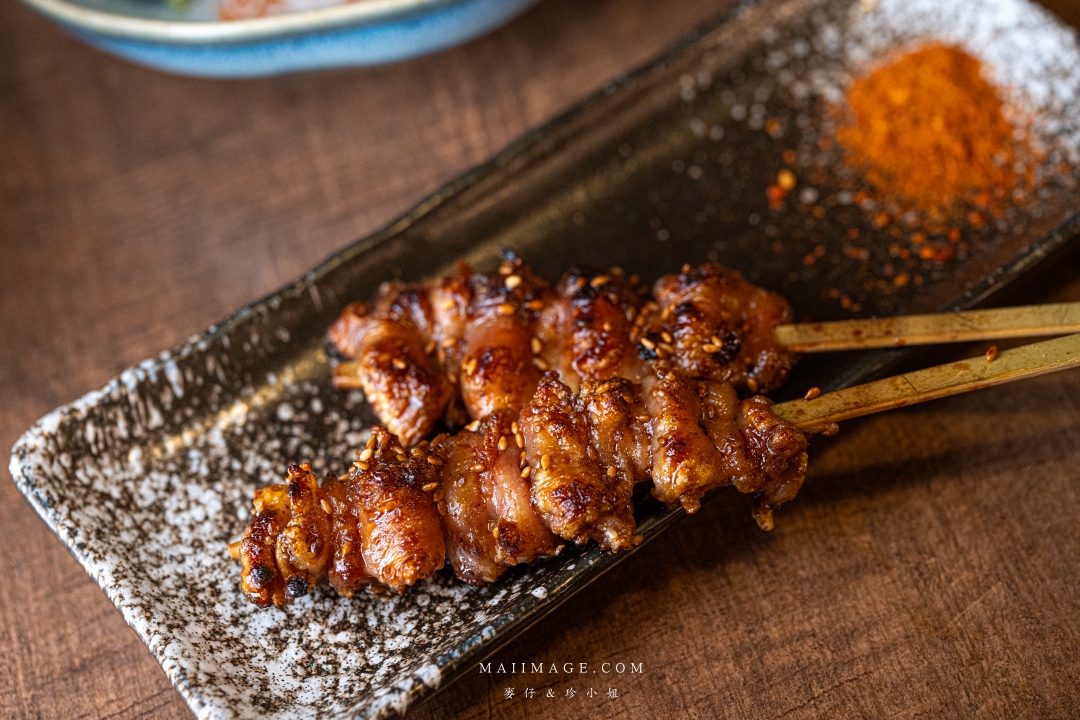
(676, 448)
(408, 302)
(647, 353)
(510, 539)
(586, 285)
(576, 500)
(296, 586)
(491, 290)
(693, 275)
(686, 308)
(295, 486)
(260, 577)
(729, 349)
(578, 284)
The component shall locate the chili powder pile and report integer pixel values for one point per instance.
(929, 128)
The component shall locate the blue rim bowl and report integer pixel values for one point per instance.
(363, 32)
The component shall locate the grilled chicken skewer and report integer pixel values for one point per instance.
(470, 343)
(580, 392)
(506, 491)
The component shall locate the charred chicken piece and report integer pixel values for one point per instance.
(684, 436)
(486, 503)
(348, 572)
(685, 462)
(401, 346)
(621, 435)
(585, 331)
(778, 449)
(737, 442)
(400, 530)
(714, 325)
(520, 533)
(287, 546)
(577, 496)
(468, 519)
(497, 368)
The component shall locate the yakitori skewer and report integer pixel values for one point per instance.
(578, 391)
(935, 382)
(997, 324)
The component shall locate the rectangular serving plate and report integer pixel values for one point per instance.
(146, 480)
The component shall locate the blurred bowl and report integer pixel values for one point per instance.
(190, 39)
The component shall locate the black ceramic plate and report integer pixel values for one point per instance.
(147, 480)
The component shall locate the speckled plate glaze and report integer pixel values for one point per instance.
(187, 36)
(147, 480)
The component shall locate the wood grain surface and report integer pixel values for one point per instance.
(929, 568)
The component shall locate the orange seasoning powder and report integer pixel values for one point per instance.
(929, 128)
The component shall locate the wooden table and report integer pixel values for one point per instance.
(930, 567)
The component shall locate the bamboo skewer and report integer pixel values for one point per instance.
(932, 383)
(1029, 321)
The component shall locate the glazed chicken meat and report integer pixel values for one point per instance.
(560, 400)
(468, 344)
